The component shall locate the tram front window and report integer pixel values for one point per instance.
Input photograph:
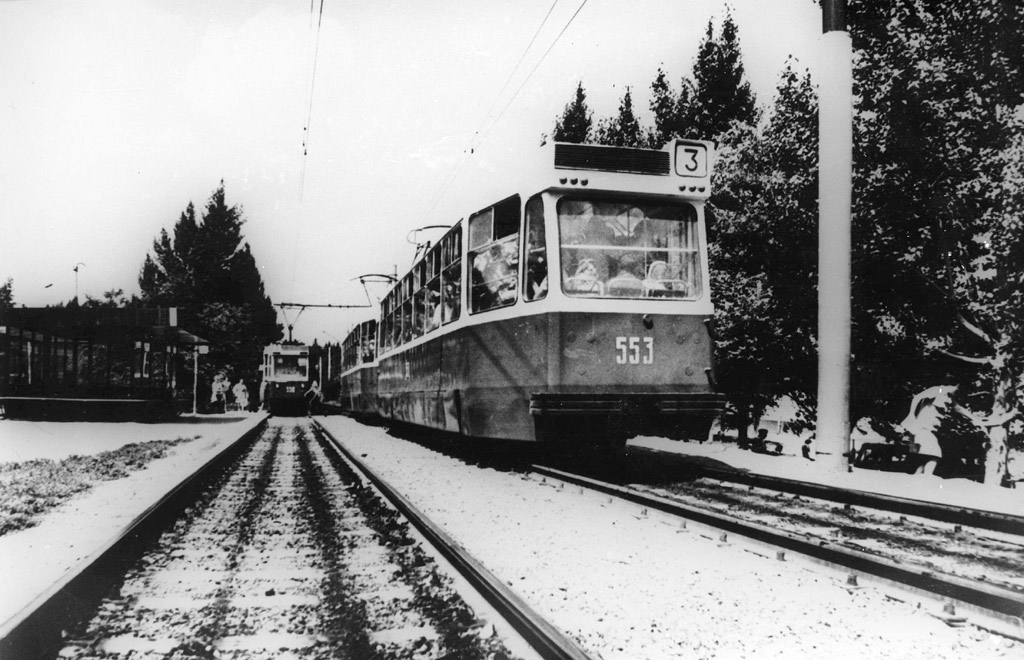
(290, 365)
(622, 249)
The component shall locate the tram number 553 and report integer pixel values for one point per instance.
(634, 350)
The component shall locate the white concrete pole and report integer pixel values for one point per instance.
(835, 167)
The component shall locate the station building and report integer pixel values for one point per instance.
(93, 363)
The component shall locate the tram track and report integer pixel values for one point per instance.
(992, 588)
(281, 547)
(669, 466)
(539, 633)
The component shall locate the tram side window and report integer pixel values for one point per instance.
(432, 300)
(535, 284)
(451, 263)
(494, 255)
(419, 302)
(406, 309)
(385, 322)
(396, 317)
(369, 345)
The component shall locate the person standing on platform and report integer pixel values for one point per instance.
(241, 393)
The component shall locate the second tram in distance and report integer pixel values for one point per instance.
(573, 309)
(285, 372)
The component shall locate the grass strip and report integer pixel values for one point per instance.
(29, 489)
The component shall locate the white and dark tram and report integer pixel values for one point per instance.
(574, 309)
(285, 371)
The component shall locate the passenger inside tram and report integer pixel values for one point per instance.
(494, 276)
(627, 282)
(536, 263)
(434, 310)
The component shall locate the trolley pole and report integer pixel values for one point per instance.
(835, 167)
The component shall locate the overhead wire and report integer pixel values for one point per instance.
(477, 138)
(312, 88)
(305, 128)
(534, 69)
(468, 152)
(515, 69)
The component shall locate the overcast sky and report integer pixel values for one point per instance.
(117, 114)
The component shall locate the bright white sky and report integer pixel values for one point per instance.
(115, 114)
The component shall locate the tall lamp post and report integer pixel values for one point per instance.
(835, 188)
(77, 266)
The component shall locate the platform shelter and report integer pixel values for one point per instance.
(93, 363)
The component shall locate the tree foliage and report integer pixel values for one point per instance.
(937, 233)
(706, 107)
(721, 96)
(7, 294)
(624, 129)
(715, 100)
(114, 298)
(208, 271)
(575, 123)
(764, 253)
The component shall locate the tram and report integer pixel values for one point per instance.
(359, 370)
(285, 373)
(575, 308)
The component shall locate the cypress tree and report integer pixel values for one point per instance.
(208, 270)
(575, 123)
(624, 129)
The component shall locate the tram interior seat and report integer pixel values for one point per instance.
(584, 285)
(626, 287)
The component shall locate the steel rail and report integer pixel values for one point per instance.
(1003, 605)
(35, 631)
(550, 642)
(957, 515)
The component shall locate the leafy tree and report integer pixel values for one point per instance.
(623, 130)
(721, 96)
(7, 294)
(114, 298)
(715, 100)
(669, 108)
(575, 123)
(208, 270)
(937, 231)
(764, 254)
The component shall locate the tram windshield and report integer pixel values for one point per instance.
(286, 366)
(625, 249)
